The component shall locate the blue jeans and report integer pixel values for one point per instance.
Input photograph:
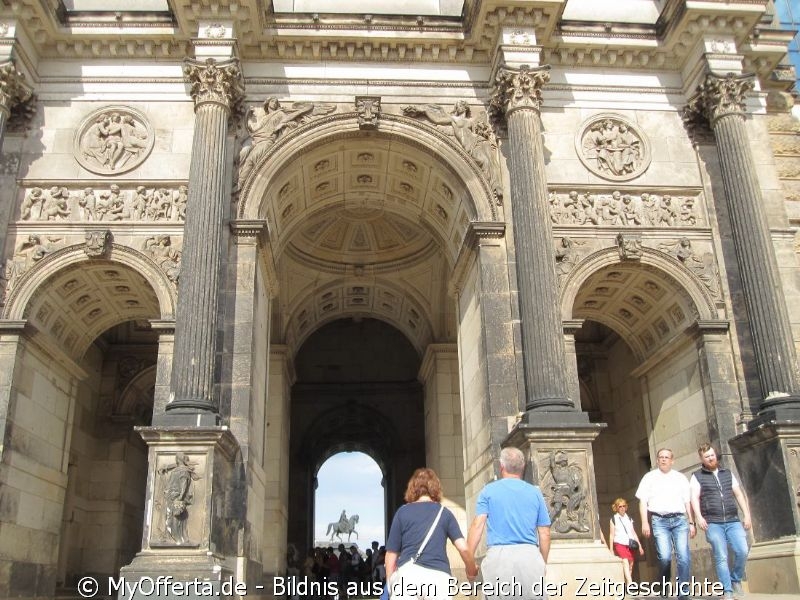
(719, 535)
(672, 533)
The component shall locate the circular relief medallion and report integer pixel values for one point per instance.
(612, 148)
(113, 140)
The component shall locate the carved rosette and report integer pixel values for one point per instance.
(113, 140)
(719, 96)
(13, 87)
(514, 89)
(214, 81)
(612, 147)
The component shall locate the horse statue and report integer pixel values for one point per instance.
(337, 528)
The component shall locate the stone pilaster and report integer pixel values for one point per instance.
(13, 90)
(516, 97)
(721, 101)
(216, 87)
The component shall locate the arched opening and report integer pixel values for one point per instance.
(83, 376)
(639, 371)
(356, 390)
(365, 230)
(349, 490)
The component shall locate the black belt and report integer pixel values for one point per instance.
(669, 515)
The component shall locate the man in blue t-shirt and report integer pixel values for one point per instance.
(518, 536)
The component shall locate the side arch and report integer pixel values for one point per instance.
(18, 301)
(683, 280)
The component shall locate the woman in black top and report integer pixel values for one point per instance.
(428, 577)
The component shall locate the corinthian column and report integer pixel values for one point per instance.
(516, 97)
(13, 90)
(721, 101)
(215, 88)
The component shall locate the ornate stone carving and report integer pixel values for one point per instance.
(113, 204)
(616, 209)
(703, 266)
(113, 140)
(216, 30)
(22, 115)
(29, 252)
(269, 123)
(473, 133)
(564, 488)
(213, 81)
(717, 97)
(515, 89)
(166, 256)
(98, 243)
(176, 498)
(13, 87)
(566, 256)
(368, 109)
(630, 247)
(612, 148)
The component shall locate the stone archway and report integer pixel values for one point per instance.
(646, 356)
(82, 335)
(360, 225)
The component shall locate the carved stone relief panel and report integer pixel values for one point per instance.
(165, 254)
(178, 500)
(27, 253)
(114, 203)
(702, 265)
(612, 147)
(629, 209)
(113, 140)
(564, 484)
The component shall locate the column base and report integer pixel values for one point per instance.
(774, 410)
(177, 575)
(774, 567)
(575, 567)
(554, 418)
(187, 417)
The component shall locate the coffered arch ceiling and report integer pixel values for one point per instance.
(367, 226)
(77, 303)
(642, 304)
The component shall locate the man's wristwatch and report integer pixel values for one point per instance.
(690, 523)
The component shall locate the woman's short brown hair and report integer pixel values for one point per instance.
(424, 482)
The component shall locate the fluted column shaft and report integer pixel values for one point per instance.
(215, 88)
(517, 97)
(722, 101)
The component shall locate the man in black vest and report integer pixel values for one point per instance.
(715, 494)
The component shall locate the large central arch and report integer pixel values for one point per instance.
(373, 224)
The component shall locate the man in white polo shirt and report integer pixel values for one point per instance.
(664, 496)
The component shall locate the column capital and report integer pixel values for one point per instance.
(518, 88)
(13, 87)
(720, 96)
(218, 82)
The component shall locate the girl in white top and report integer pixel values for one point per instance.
(620, 533)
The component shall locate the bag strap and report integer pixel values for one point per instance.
(424, 543)
(625, 529)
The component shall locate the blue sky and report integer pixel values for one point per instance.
(350, 481)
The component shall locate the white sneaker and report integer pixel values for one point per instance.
(738, 592)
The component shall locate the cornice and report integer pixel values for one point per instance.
(469, 40)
